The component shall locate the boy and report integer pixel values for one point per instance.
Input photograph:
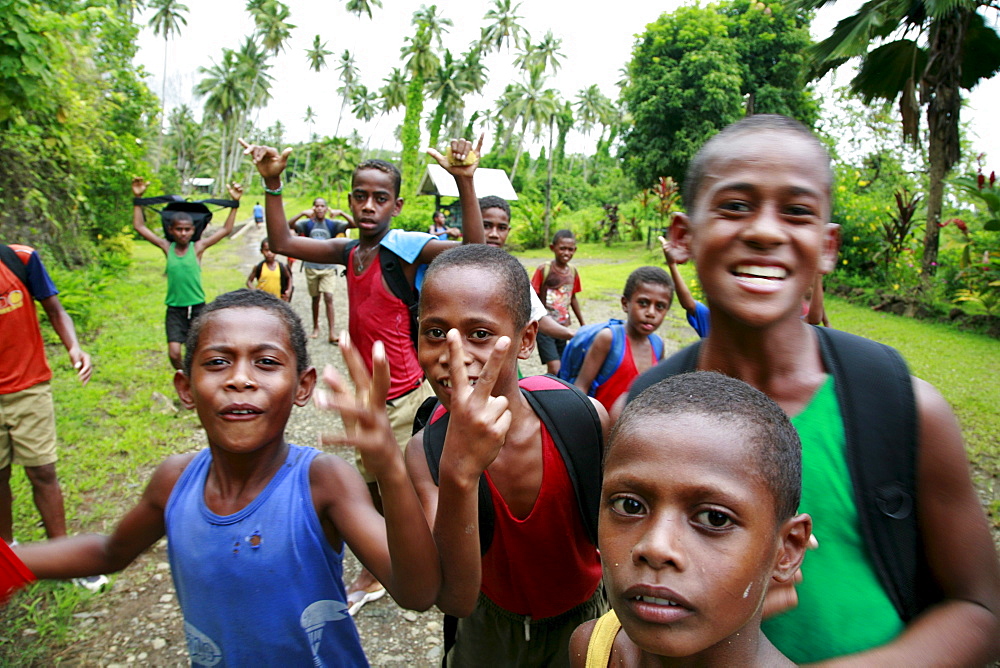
(185, 294)
(27, 416)
(256, 526)
(646, 299)
(258, 213)
(697, 313)
(441, 230)
(321, 277)
(702, 478)
(539, 574)
(376, 311)
(272, 277)
(910, 546)
(557, 283)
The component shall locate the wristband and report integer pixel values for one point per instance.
(276, 191)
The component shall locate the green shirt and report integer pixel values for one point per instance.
(843, 607)
(184, 278)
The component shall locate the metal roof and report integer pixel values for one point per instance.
(437, 181)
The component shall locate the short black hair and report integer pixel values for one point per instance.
(264, 242)
(179, 216)
(777, 450)
(653, 275)
(756, 123)
(494, 202)
(245, 298)
(318, 199)
(510, 275)
(382, 166)
(562, 234)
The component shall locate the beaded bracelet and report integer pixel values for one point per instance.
(276, 191)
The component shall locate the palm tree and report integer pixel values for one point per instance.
(359, 7)
(166, 21)
(545, 55)
(393, 93)
(349, 77)
(503, 28)
(420, 60)
(435, 25)
(532, 104)
(959, 49)
(363, 103)
(225, 94)
(317, 55)
(447, 85)
(309, 119)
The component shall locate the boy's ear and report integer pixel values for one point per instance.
(625, 303)
(831, 244)
(527, 340)
(793, 537)
(398, 208)
(680, 237)
(183, 386)
(307, 383)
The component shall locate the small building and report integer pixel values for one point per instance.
(438, 182)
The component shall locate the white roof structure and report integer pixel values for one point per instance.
(201, 182)
(437, 181)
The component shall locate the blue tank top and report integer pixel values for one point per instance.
(262, 586)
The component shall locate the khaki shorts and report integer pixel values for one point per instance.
(28, 427)
(320, 280)
(401, 412)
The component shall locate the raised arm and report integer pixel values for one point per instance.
(461, 162)
(270, 164)
(235, 192)
(684, 297)
(598, 352)
(139, 186)
(964, 628)
(63, 324)
(334, 213)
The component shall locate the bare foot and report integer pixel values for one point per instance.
(315, 333)
(335, 340)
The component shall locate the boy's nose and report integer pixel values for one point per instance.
(661, 546)
(765, 229)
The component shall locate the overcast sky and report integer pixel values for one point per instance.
(597, 42)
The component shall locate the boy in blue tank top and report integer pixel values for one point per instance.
(256, 526)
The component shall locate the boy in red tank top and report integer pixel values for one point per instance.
(540, 575)
(375, 313)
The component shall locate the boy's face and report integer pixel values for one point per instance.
(647, 307)
(469, 300)
(686, 556)
(496, 222)
(182, 231)
(374, 202)
(759, 230)
(244, 380)
(268, 254)
(320, 209)
(564, 250)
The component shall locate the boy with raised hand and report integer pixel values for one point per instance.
(702, 477)
(514, 522)
(376, 311)
(697, 313)
(903, 537)
(185, 294)
(256, 526)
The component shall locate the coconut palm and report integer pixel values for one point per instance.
(503, 27)
(530, 103)
(225, 94)
(363, 103)
(393, 93)
(435, 24)
(166, 21)
(349, 78)
(919, 52)
(309, 119)
(317, 55)
(359, 7)
(545, 55)
(447, 85)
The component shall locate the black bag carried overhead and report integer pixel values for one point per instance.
(200, 214)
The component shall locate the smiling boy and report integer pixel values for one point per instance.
(885, 477)
(701, 484)
(522, 569)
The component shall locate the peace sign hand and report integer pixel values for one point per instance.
(366, 424)
(478, 422)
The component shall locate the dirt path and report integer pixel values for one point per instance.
(138, 622)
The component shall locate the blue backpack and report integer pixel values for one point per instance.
(576, 351)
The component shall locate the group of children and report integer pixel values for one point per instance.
(515, 499)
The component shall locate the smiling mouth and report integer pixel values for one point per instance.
(760, 275)
(446, 382)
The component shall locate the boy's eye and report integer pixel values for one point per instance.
(628, 506)
(714, 519)
(480, 335)
(735, 206)
(798, 210)
(434, 333)
(268, 361)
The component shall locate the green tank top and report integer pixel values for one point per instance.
(184, 278)
(842, 608)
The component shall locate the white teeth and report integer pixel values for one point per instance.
(654, 600)
(243, 412)
(445, 383)
(752, 272)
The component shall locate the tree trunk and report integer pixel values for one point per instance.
(548, 182)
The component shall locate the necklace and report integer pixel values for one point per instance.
(362, 262)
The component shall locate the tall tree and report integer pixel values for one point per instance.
(393, 93)
(446, 84)
(309, 119)
(530, 103)
(348, 79)
(503, 26)
(420, 61)
(166, 21)
(544, 56)
(359, 7)
(920, 53)
(317, 54)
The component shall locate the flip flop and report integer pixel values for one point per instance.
(356, 603)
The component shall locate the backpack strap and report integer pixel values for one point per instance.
(616, 353)
(12, 261)
(879, 413)
(657, 343)
(399, 285)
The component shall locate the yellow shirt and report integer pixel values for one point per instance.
(270, 279)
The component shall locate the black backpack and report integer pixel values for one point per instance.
(395, 278)
(879, 412)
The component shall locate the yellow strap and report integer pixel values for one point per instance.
(602, 640)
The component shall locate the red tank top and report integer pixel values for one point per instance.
(541, 565)
(378, 315)
(621, 379)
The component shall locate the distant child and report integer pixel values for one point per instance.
(697, 313)
(255, 526)
(258, 213)
(906, 572)
(185, 294)
(646, 299)
(441, 230)
(702, 477)
(321, 277)
(557, 283)
(522, 571)
(270, 275)
(378, 311)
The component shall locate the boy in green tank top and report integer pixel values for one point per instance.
(757, 225)
(185, 294)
